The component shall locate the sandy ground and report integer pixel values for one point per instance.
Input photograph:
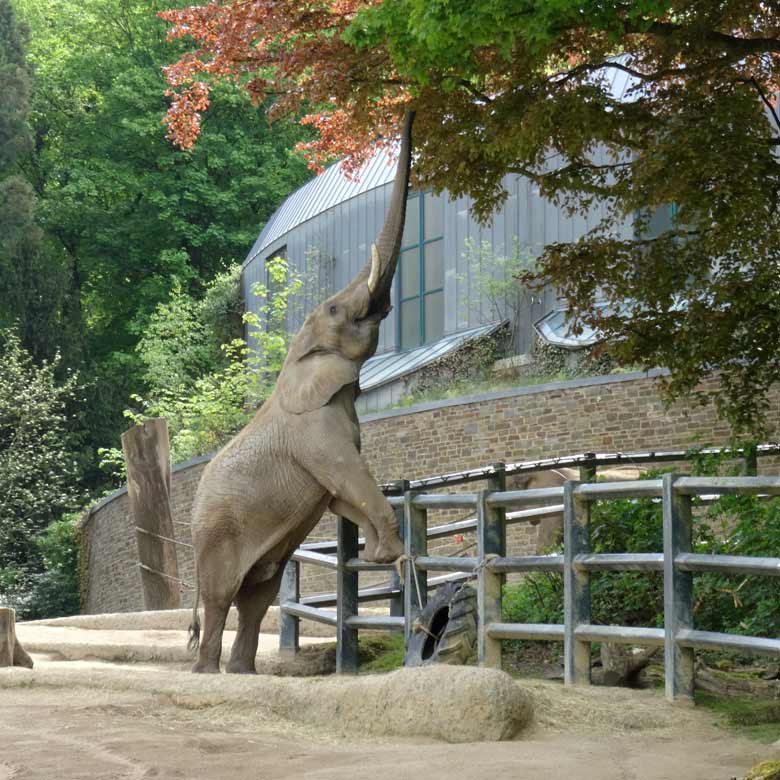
(589, 734)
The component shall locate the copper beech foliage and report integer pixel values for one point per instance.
(526, 87)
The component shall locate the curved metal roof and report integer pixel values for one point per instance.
(332, 186)
(323, 192)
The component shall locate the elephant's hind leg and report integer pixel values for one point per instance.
(252, 600)
(215, 614)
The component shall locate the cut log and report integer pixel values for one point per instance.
(11, 651)
(622, 665)
(148, 460)
(724, 683)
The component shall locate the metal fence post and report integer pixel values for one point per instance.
(588, 468)
(491, 540)
(576, 586)
(678, 592)
(397, 601)
(415, 581)
(346, 597)
(289, 590)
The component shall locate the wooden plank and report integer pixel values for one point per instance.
(346, 598)
(678, 591)
(576, 586)
(289, 624)
(148, 460)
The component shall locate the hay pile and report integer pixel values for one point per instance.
(454, 704)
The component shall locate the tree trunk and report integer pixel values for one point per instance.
(148, 460)
(622, 666)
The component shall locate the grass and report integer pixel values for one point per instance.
(381, 654)
(466, 387)
(753, 718)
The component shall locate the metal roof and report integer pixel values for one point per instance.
(332, 186)
(323, 192)
(385, 368)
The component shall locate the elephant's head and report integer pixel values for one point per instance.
(341, 333)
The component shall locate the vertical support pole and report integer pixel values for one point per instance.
(588, 468)
(678, 592)
(491, 540)
(7, 636)
(576, 586)
(289, 625)
(750, 460)
(397, 601)
(415, 543)
(346, 598)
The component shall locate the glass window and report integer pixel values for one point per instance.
(410, 273)
(434, 216)
(411, 235)
(434, 316)
(421, 268)
(410, 324)
(434, 265)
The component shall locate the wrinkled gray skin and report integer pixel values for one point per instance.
(300, 455)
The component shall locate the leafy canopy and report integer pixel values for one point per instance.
(523, 87)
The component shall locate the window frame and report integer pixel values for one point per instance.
(421, 293)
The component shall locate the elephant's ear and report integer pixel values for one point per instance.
(310, 382)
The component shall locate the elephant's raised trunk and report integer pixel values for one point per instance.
(388, 243)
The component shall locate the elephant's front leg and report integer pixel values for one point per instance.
(347, 478)
(343, 509)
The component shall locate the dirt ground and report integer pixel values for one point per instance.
(590, 734)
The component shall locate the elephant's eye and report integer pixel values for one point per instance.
(333, 309)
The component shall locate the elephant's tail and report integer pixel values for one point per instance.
(194, 629)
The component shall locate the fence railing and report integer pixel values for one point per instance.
(490, 565)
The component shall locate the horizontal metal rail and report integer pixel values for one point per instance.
(510, 498)
(627, 635)
(445, 563)
(634, 488)
(526, 563)
(376, 622)
(358, 564)
(728, 564)
(705, 640)
(318, 559)
(544, 632)
(310, 613)
(445, 501)
(619, 562)
(694, 486)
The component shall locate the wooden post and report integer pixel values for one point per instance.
(397, 601)
(576, 586)
(491, 540)
(678, 592)
(289, 625)
(415, 582)
(7, 636)
(346, 598)
(11, 651)
(148, 460)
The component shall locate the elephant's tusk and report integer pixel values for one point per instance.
(373, 277)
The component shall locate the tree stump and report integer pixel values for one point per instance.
(148, 459)
(11, 651)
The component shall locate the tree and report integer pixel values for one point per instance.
(530, 88)
(38, 473)
(33, 275)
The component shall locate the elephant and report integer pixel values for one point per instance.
(300, 454)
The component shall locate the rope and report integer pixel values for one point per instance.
(164, 538)
(399, 564)
(185, 585)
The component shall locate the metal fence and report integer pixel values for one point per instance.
(489, 566)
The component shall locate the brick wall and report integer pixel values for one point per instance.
(617, 413)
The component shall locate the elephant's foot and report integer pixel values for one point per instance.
(205, 668)
(387, 550)
(240, 666)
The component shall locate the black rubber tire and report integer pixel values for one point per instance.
(446, 630)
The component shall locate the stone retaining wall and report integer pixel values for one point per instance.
(600, 414)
